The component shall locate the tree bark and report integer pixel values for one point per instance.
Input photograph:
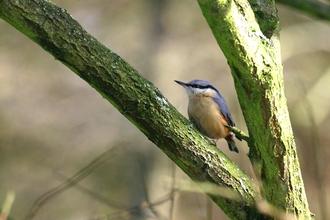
(252, 49)
(254, 58)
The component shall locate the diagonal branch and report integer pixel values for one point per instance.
(253, 54)
(134, 96)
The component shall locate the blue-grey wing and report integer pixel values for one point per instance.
(224, 109)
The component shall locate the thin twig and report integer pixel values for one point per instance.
(317, 152)
(209, 208)
(173, 190)
(239, 134)
(316, 8)
(96, 163)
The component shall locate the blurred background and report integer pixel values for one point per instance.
(53, 124)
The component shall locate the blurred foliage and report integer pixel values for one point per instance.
(52, 123)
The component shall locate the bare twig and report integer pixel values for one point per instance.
(209, 208)
(96, 163)
(173, 190)
(316, 8)
(317, 152)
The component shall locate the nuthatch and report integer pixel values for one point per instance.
(208, 111)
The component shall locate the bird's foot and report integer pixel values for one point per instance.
(214, 142)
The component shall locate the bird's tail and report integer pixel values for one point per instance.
(233, 147)
(230, 138)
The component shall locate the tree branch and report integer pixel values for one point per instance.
(316, 8)
(256, 67)
(135, 97)
(238, 133)
(253, 53)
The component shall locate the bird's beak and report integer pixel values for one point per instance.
(181, 83)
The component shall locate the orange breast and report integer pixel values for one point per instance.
(206, 114)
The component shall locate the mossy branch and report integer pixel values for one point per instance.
(248, 34)
(239, 134)
(252, 51)
(135, 97)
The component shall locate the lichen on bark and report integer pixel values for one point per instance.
(254, 58)
(252, 47)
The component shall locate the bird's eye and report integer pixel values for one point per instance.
(199, 86)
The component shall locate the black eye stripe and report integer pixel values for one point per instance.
(200, 86)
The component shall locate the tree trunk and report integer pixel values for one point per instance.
(253, 55)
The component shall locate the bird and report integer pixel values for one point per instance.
(208, 111)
